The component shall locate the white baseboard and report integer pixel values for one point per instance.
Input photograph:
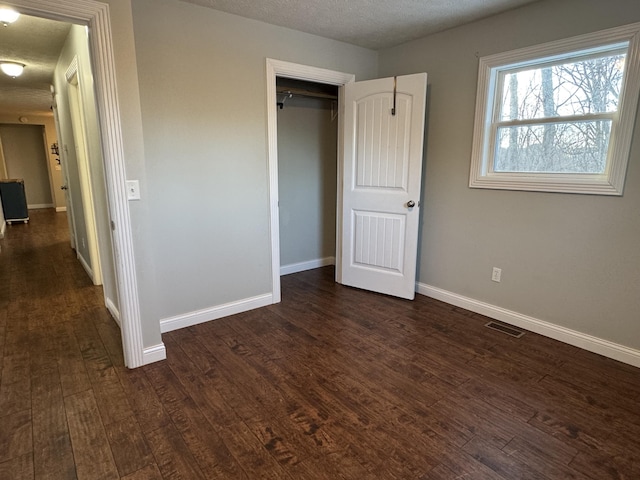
(572, 337)
(309, 265)
(61, 209)
(154, 354)
(85, 265)
(213, 313)
(36, 206)
(113, 311)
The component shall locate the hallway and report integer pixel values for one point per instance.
(59, 353)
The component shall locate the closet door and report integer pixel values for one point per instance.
(383, 151)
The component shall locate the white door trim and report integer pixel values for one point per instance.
(79, 127)
(96, 16)
(278, 68)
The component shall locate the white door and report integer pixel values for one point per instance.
(381, 183)
(62, 154)
(67, 199)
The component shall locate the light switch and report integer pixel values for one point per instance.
(133, 190)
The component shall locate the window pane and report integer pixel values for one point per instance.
(573, 88)
(578, 147)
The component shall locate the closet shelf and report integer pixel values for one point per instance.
(304, 93)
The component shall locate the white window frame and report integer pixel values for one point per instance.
(611, 182)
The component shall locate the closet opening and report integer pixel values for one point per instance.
(307, 149)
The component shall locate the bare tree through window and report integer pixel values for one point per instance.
(557, 118)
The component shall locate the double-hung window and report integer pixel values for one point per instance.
(558, 117)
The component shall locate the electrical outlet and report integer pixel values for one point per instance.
(496, 274)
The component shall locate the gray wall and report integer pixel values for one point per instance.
(25, 157)
(572, 260)
(307, 157)
(203, 97)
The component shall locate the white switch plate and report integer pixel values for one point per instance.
(133, 190)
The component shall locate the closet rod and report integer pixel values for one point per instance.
(304, 93)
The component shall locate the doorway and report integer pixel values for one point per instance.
(95, 15)
(23, 155)
(380, 155)
(307, 173)
(279, 69)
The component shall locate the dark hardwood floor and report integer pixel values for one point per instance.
(333, 383)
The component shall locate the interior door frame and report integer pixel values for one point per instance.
(278, 68)
(95, 15)
(79, 128)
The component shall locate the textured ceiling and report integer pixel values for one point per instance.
(373, 24)
(37, 43)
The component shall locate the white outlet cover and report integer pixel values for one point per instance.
(496, 274)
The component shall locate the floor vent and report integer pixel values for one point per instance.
(514, 332)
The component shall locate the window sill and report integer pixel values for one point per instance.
(556, 183)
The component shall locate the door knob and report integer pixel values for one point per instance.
(411, 204)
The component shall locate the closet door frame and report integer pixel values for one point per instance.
(278, 68)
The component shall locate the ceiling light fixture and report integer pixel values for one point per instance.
(13, 69)
(8, 16)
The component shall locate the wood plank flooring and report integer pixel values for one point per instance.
(333, 383)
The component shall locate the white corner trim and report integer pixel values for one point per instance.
(213, 313)
(86, 266)
(154, 354)
(572, 337)
(113, 310)
(308, 265)
(61, 209)
(3, 229)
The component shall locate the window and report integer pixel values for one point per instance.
(558, 117)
